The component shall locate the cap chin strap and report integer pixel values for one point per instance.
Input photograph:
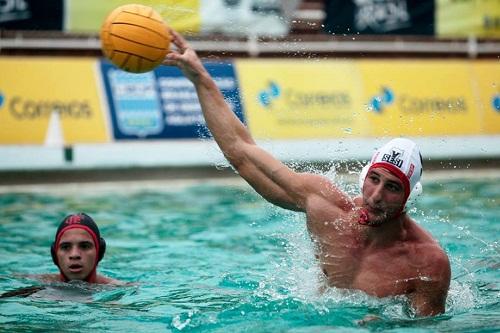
(415, 193)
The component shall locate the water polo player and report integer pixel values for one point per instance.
(76, 251)
(368, 242)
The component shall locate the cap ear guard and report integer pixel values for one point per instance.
(102, 250)
(53, 253)
(414, 195)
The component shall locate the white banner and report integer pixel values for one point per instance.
(247, 17)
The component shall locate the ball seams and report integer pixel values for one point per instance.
(135, 38)
(129, 54)
(135, 25)
(127, 58)
(149, 16)
(138, 43)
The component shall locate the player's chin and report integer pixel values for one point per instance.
(376, 222)
(378, 218)
(76, 275)
(375, 214)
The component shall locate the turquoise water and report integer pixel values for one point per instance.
(214, 257)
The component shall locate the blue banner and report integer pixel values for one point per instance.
(163, 103)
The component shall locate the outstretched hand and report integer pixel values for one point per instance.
(184, 57)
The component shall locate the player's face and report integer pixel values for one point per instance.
(383, 195)
(76, 254)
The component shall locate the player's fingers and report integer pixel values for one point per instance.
(168, 62)
(172, 58)
(178, 40)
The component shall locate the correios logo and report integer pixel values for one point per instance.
(300, 99)
(268, 95)
(432, 104)
(495, 102)
(22, 108)
(379, 102)
(410, 104)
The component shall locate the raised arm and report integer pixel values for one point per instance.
(267, 175)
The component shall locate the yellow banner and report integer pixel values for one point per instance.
(487, 86)
(420, 98)
(50, 99)
(301, 99)
(88, 15)
(463, 18)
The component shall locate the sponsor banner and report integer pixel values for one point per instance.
(286, 99)
(31, 14)
(487, 86)
(464, 18)
(50, 100)
(420, 98)
(380, 17)
(234, 18)
(89, 15)
(247, 17)
(162, 103)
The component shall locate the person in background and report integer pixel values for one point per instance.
(77, 250)
(368, 242)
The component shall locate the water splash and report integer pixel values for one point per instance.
(461, 298)
(180, 321)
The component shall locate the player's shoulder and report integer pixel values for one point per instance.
(45, 278)
(425, 246)
(432, 258)
(330, 193)
(101, 279)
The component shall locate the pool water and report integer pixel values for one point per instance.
(213, 256)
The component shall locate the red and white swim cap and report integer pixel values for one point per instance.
(402, 158)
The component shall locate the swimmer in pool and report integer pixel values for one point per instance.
(77, 250)
(368, 242)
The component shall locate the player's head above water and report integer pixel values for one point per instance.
(402, 158)
(78, 248)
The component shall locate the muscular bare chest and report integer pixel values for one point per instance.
(347, 262)
(384, 274)
(339, 250)
(376, 274)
